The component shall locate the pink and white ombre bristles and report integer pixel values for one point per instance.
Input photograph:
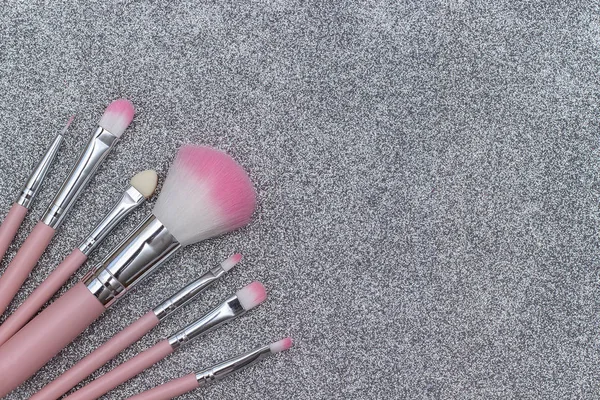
(205, 194)
(282, 345)
(117, 116)
(231, 262)
(193, 381)
(252, 295)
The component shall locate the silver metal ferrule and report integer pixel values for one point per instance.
(128, 202)
(94, 153)
(37, 177)
(188, 293)
(138, 256)
(227, 311)
(232, 365)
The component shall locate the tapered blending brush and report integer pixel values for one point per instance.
(19, 209)
(116, 119)
(190, 382)
(132, 333)
(142, 186)
(236, 305)
(206, 194)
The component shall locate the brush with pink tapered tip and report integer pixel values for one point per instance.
(205, 194)
(190, 382)
(132, 333)
(17, 213)
(245, 299)
(114, 121)
(142, 186)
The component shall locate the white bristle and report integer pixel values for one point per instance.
(145, 182)
(205, 194)
(252, 295)
(280, 346)
(117, 117)
(231, 262)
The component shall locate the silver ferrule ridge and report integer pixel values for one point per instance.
(138, 256)
(227, 311)
(94, 153)
(37, 177)
(232, 365)
(188, 293)
(128, 202)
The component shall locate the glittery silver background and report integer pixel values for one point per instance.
(426, 171)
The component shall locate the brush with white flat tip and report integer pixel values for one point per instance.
(19, 209)
(185, 384)
(132, 333)
(244, 300)
(142, 186)
(205, 194)
(116, 119)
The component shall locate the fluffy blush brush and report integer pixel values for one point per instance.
(142, 186)
(206, 194)
(116, 119)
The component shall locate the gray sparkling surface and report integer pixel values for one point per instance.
(427, 175)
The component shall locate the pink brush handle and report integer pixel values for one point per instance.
(43, 337)
(10, 226)
(171, 389)
(123, 372)
(41, 295)
(97, 358)
(19, 268)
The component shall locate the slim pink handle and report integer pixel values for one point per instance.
(41, 295)
(19, 268)
(10, 226)
(123, 372)
(171, 389)
(43, 337)
(97, 358)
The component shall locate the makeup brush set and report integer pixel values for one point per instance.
(205, 194)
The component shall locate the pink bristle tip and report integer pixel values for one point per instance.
(252, 295)
(70, 121)
(117, 116)
(235, 195)
(121, 106)
(282, 345)
(231, 262)
(206, 194)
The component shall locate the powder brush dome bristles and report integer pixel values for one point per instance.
(205, 194)
(117, 117)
